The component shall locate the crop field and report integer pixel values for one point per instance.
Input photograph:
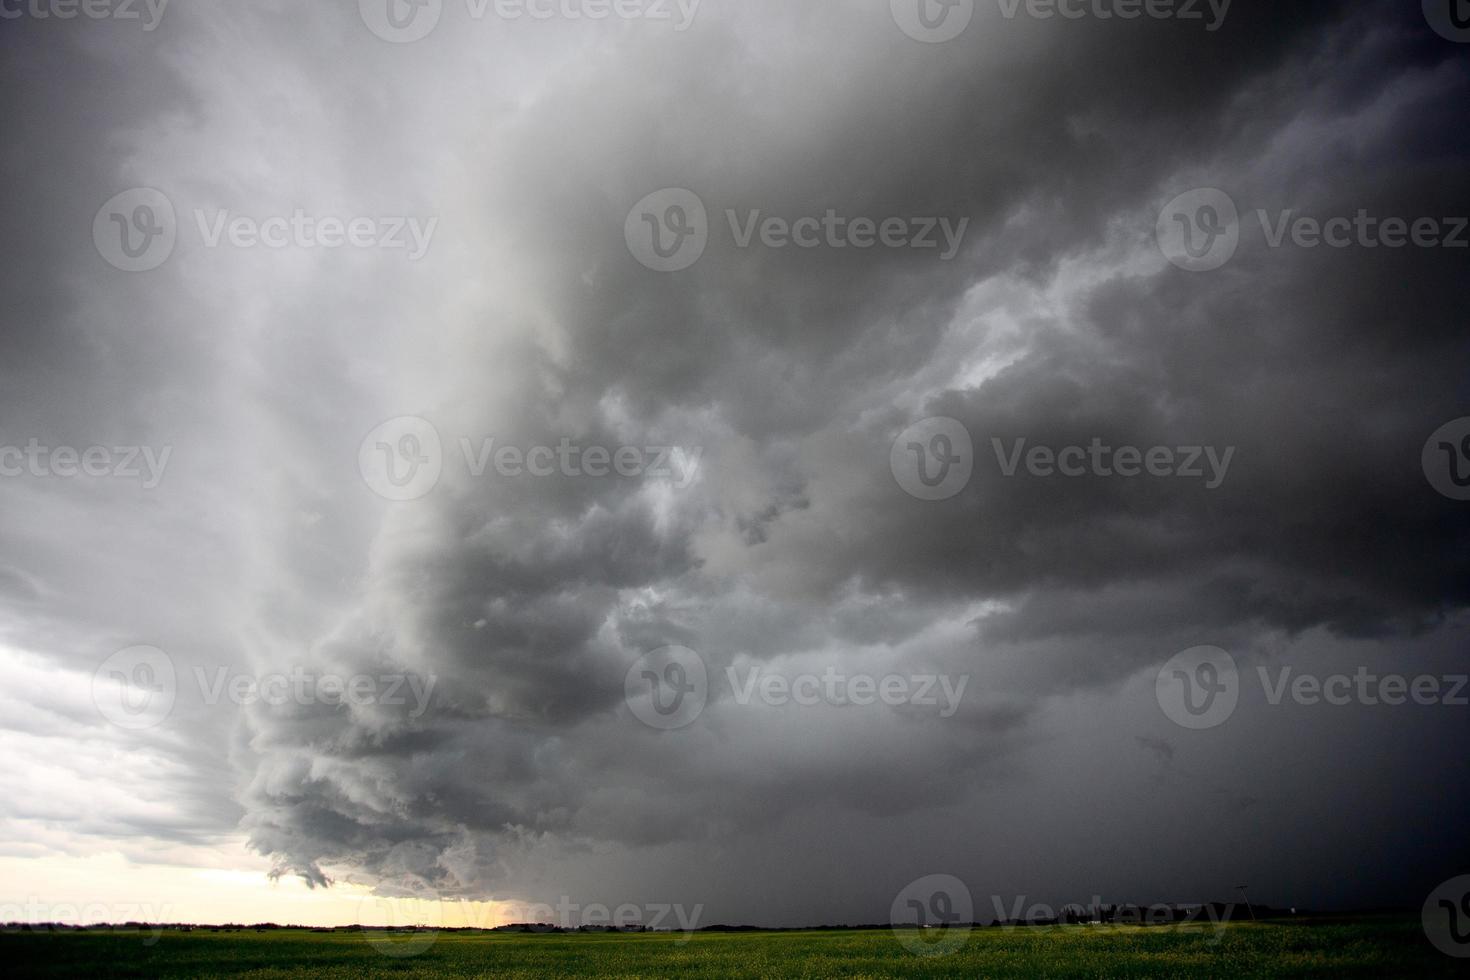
(1376, 947)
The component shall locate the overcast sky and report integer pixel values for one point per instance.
(292, 267)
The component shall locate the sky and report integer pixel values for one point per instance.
(752, 459)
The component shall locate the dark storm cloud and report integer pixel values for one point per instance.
(1009, 127)
(784, 350)
(791, 372)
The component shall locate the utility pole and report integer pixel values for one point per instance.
(1241, 889)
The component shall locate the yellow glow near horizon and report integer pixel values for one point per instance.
(110, 888)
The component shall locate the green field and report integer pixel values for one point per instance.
(1379, 947)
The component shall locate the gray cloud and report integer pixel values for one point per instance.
(791, 371)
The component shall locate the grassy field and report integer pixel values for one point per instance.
(1384, 947)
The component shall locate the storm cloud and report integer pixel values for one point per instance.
(782, 373)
